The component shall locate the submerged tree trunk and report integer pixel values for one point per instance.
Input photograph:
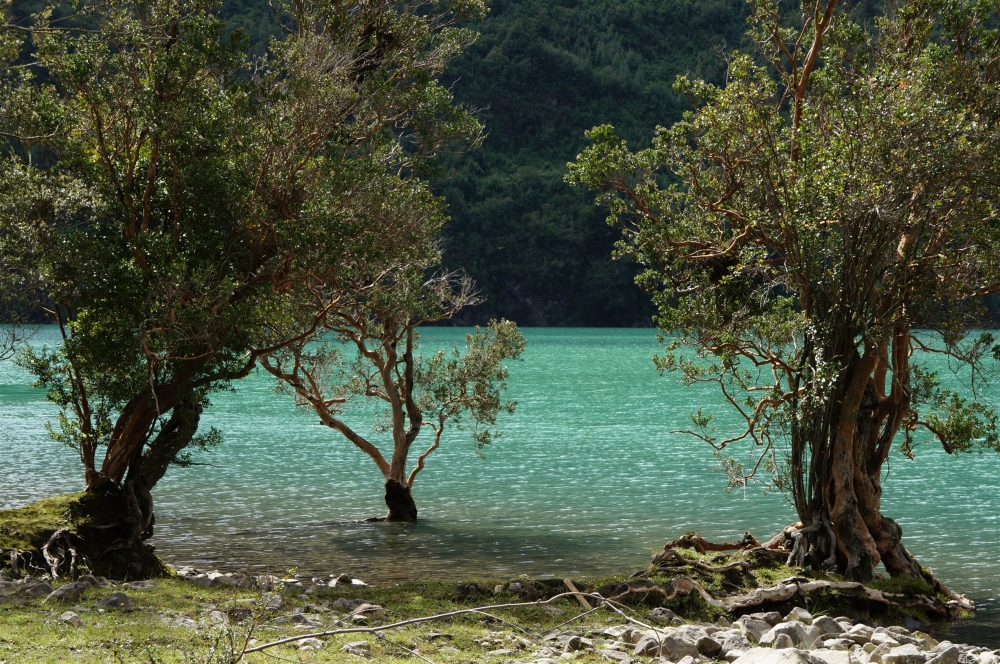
(399, 500)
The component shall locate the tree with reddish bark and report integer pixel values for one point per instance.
(364, 348)
(812, 229)
(165, 193)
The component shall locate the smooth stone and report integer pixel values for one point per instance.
(772, 618)
(832, 656)
(877, 651)
(733, 655)
(663, 614)
(770, 656)
(71, 618)
(678, 648)
(783, 641)
(37, 589)
(310, 644)
(752, 628)
(616, 656)
(838, 644)
(114, 601)
(802, 635)
(798, 614)
(905, 654)
(827, 626)
(949, 655)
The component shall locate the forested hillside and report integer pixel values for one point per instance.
(544, 71)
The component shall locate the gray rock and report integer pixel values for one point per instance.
(708, 646)
(838, 644)
(899, 630)
(347, 604)
(647, 647)
(785, 656)
(663, 614)
(8, 588)
(723, 622)
(949, 655)
(733, 655)
(772, 618)
(69, 592)
(752, 628)
(272, 601)
(36, 589)
(688, 660)
(905, 654)
(71, 618)
(798, 614)
(676, 648)
(616, 656)
(114, 601)
(877, 652)
(735, 642)
(359, 648)
(572, 643)
(832, 656)
(218, 617)
(802, 635)
(878, 638)
(310, 644)
(827, 626)
(783, 641)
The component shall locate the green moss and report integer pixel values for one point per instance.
(30, 527)
(903, 585)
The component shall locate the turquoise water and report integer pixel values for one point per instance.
(587, 479)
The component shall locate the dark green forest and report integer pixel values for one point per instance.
(544, 72)
(541, 74)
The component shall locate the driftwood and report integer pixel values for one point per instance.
(701, 545)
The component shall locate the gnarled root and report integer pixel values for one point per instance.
(670, 558)
(55, 557)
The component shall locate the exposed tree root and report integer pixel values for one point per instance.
(670, 558)
(55, 557)
(701, 545)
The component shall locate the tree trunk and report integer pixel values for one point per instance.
(844, 530)
(399, 500)
(149, 467)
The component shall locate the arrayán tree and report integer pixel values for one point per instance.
(809, 230)
(165, 193)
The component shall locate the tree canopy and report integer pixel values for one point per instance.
(809, 229)
(165, 191)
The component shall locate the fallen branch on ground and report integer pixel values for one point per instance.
(481, 610)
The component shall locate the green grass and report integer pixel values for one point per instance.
(152, 631)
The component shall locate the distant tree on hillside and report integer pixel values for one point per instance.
(806, 231)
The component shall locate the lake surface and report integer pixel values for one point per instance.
(587, 479)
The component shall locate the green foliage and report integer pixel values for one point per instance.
(168, 196)
(453, 384)
(799, 223)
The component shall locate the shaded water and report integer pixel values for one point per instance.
(587, 479)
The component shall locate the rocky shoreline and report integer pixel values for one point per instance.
(753, 638)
